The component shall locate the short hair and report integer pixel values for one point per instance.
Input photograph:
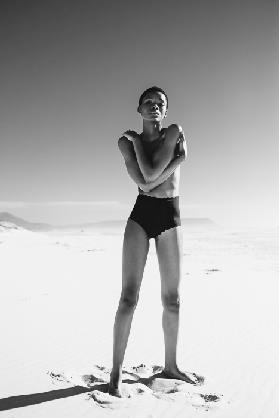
(151, 90)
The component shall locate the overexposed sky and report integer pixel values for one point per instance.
(70, 77)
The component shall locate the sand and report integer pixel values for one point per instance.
(59, 294)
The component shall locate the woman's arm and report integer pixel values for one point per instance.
(152, 170)
(127, 150)
(166, 173)
(181, 154)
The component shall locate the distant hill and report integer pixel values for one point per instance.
(8, 226)
(197, 222)
(110, 224)
(30, 226)
(122, 222)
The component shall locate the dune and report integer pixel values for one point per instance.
(31, 226)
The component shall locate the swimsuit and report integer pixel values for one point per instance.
(156, 215)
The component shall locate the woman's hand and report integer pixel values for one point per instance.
(181, 148)
(131, 135)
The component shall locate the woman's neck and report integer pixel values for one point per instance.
(151, 130)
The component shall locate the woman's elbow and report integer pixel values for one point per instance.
(144, 187)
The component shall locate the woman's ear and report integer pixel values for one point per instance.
(138, 109)
(166, 114)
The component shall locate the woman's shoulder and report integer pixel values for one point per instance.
(174, 127)
(130, 135)
(125, 146)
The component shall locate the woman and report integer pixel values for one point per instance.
(152, 160)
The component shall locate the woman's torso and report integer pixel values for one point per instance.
(170, 187)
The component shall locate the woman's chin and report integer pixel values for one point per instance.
(153, 118)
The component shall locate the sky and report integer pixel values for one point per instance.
(70, 77)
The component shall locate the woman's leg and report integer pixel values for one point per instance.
(134, 255)
(169, 248)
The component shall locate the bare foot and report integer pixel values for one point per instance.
(115, 385)
(115, 391)
(188, 377)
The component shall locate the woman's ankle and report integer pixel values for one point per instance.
(116, 377)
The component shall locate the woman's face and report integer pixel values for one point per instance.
(153, 106)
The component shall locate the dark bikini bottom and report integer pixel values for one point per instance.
(156, 215)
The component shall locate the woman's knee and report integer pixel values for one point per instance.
(171, 301)
(129, 298)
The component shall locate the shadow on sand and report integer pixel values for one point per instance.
(96, 385)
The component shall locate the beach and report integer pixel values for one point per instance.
(59, 294)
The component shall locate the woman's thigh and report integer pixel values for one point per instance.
(134, 255)
(169, 248)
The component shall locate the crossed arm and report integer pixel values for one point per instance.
(162, 157)
(133, 167)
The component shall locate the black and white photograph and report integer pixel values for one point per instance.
(139, 209)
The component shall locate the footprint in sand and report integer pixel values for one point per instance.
(213, 270)
(141, 380)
